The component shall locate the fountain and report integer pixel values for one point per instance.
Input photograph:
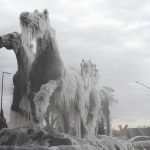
(53, 107)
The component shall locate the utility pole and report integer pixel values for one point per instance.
(143, 84)
(2, 89)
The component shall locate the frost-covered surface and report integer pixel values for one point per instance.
(16, 120)
(42, 99)
(107, 98)
(27, 138)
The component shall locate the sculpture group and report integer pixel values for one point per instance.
(45, 90)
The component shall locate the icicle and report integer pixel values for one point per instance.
(16, 120)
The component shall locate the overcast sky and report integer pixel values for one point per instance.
(114, 34)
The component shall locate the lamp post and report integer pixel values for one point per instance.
(2, 88)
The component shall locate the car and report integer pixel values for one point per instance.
(139, 138)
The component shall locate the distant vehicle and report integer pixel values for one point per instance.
(139, 138)
(141, 142)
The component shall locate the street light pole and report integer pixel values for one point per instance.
(2, 91)
(2, 88)
(143, 85)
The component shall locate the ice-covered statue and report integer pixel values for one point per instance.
(45, 88)
(20, 105)
(90, 76)
(67, 95)
(107, 99)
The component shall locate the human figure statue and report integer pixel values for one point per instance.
(90, 75)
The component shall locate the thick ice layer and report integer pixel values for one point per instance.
(42, 98)
(16, 120)
(23, 137)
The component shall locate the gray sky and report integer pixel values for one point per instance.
(114, 34)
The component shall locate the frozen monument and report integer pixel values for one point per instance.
(53, 107)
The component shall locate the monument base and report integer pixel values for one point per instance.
(40, 139)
